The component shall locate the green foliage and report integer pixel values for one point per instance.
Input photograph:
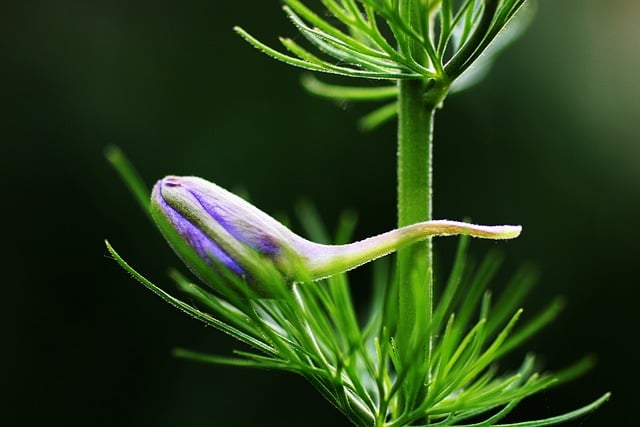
(434, 41)
(393, 39)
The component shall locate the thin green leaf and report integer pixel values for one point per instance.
(346, 50)
(327, 67)
(481, 279)
(193, 312)
(463, 57)
(297, 62)
(453, 283)
(378, 117)
(130, 176)
(564, 417)
(512, 297)
(347, 93)
(532, 327)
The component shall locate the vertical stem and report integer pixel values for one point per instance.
(414, 285)
(415, 130)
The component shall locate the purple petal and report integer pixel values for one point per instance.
(240, 228)
(206, 248)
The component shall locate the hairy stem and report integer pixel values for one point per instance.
(414, 285)
(413, 288)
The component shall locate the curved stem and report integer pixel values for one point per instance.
(327, 260)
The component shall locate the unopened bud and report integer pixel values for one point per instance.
(210, 227)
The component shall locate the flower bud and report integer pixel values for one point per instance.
(209, 228)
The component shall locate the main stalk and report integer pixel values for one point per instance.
(415, 284)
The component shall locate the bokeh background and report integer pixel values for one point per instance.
(549, 140)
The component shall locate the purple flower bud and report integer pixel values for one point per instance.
(209, 227)
(200, 218)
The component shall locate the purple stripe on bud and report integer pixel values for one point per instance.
(204, 246)
(252, 236)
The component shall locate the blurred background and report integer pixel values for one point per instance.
(550, 140)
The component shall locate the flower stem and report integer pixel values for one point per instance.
(415, 124)
(416, 109)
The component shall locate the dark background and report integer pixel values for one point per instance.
(549, 140)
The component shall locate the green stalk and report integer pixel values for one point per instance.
(415, 131)
(416, 109)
